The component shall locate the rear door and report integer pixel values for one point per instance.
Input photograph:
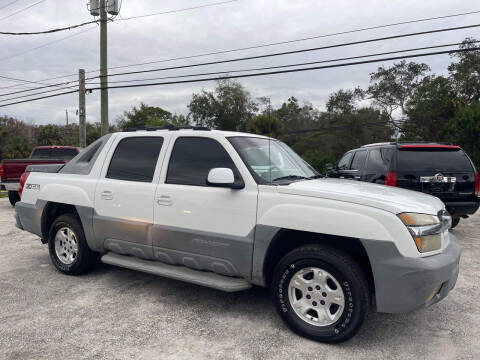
(125, 192)
(441, 170)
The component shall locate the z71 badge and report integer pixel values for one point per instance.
(32, 186)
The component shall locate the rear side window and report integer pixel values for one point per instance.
(344, 162)
(378, 161)
(440, 160)
(135, 159)
(54, 153)
(192, 159)
(359, 160)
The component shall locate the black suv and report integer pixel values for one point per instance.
(444, 171)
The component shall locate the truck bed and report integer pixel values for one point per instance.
(14, 168)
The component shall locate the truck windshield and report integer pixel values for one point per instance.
(271, 161)
(54, 153)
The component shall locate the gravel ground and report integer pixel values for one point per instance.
(122, 314)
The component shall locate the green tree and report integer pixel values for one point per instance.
(344, 101)
(266, 124)
(228, 107)
(429, 111)
(146, 115)
(465, 74)
(464, 130)
(390, 88)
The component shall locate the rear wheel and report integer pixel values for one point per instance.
(455, 222)
(68, 247)
(14, 197)
(321, 293)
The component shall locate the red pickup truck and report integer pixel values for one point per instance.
(12, 169)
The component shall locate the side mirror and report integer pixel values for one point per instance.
(223, 177)
(329, 167)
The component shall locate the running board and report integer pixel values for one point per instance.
(203, 278)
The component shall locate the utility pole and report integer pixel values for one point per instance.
(65, 141)
(103, 69)
(82, 137)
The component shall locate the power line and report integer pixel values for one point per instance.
(293, 41)
(251, 47)
(46, 44)
(232, 60)
(255, 74)
(175, 11)
(10, 3)
(293, 51)
(21, 80)
(226, 72)
(39, 88)
(41, 92)
(292, 65)
(21, 10)
(291, 70)
(48, 31)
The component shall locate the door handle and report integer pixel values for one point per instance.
(164, 200)
(106, 195)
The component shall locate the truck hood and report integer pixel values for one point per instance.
(383, 197)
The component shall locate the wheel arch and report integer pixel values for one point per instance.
(285, 240)
(51, 211)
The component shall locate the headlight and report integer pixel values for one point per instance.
(426, 229)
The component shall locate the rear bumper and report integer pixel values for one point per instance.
(404, 284)
(29, 217)
(11, 186)
(459, 208)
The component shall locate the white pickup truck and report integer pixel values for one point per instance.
(227, 210)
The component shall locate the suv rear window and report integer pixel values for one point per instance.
(418, 159)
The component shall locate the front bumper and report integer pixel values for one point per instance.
(404, 284)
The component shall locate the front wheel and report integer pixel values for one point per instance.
(68, 247)
(13, 197)
(321, 293)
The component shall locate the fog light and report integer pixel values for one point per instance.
(434, 292)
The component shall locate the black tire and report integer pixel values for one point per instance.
(345, 271)
(455, 222)
(84, 259)
(14, 197)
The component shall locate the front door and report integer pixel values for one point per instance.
(124, 195)
(200, 226)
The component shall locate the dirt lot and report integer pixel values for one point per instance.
(118, 313)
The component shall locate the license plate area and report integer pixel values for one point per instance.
(438, 183)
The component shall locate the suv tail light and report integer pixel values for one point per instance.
(391, 178)
(1, 172)
(477, 183)
(23, 180)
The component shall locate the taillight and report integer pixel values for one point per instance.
(391, 178)
(477, 183)
(1, 172)
(23, 180)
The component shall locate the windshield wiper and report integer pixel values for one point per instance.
(291, 177)
(318, 176)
